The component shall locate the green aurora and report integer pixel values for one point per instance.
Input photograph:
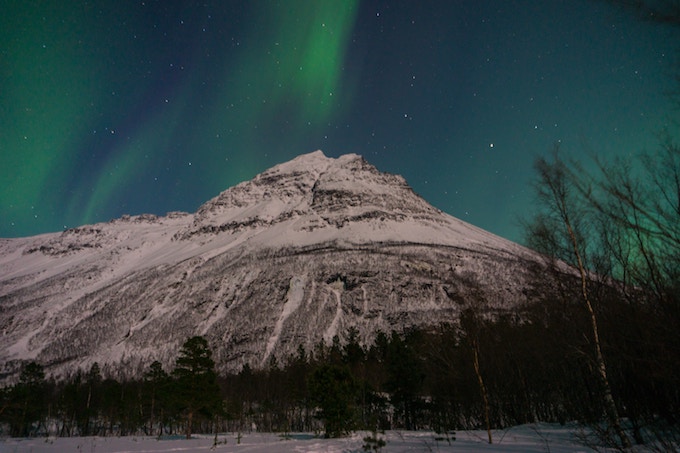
(60, 72)
(115, 107)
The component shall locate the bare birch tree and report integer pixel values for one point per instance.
(561, 229)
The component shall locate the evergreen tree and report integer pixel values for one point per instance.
(197, 392)
(333, 389)
(295, 376)
(26, 405)
(404, 381)
(70, 407)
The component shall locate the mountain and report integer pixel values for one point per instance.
(300, 253)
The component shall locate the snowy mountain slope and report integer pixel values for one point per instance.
(300, 253)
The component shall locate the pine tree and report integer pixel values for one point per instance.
(26, 401)
(197, 392)
(404, 380)
(334, 391)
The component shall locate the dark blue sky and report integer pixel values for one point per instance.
(155, 106)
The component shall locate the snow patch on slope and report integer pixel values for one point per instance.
(333, 328)
(294, 297)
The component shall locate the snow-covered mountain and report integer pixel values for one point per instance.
(298, 254)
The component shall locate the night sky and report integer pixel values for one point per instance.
(115, 107)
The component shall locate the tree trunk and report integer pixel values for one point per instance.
(555, 190)
(153, 408)
(190, 417)
(482, 388)
(609, 403)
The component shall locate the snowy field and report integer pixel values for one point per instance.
(525, 439)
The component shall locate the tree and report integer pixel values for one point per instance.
(332, 388)
(26, 405)
(470, 324)
(296, 390)
(640, 206)
(197, 392)
(637, 202)
(562, 231)
(157, 384)
(93, 381)
(404, 379)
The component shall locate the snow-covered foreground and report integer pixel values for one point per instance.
(525, 439)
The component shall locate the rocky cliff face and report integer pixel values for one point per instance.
(300, 253)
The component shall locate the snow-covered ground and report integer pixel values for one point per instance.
(525, 439)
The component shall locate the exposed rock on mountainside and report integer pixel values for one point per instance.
(300, 253)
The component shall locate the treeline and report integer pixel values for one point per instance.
(88, 404)
(509, 370)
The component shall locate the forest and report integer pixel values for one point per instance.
(481, 373)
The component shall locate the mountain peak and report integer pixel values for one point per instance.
(311, 162)
(320, 193)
